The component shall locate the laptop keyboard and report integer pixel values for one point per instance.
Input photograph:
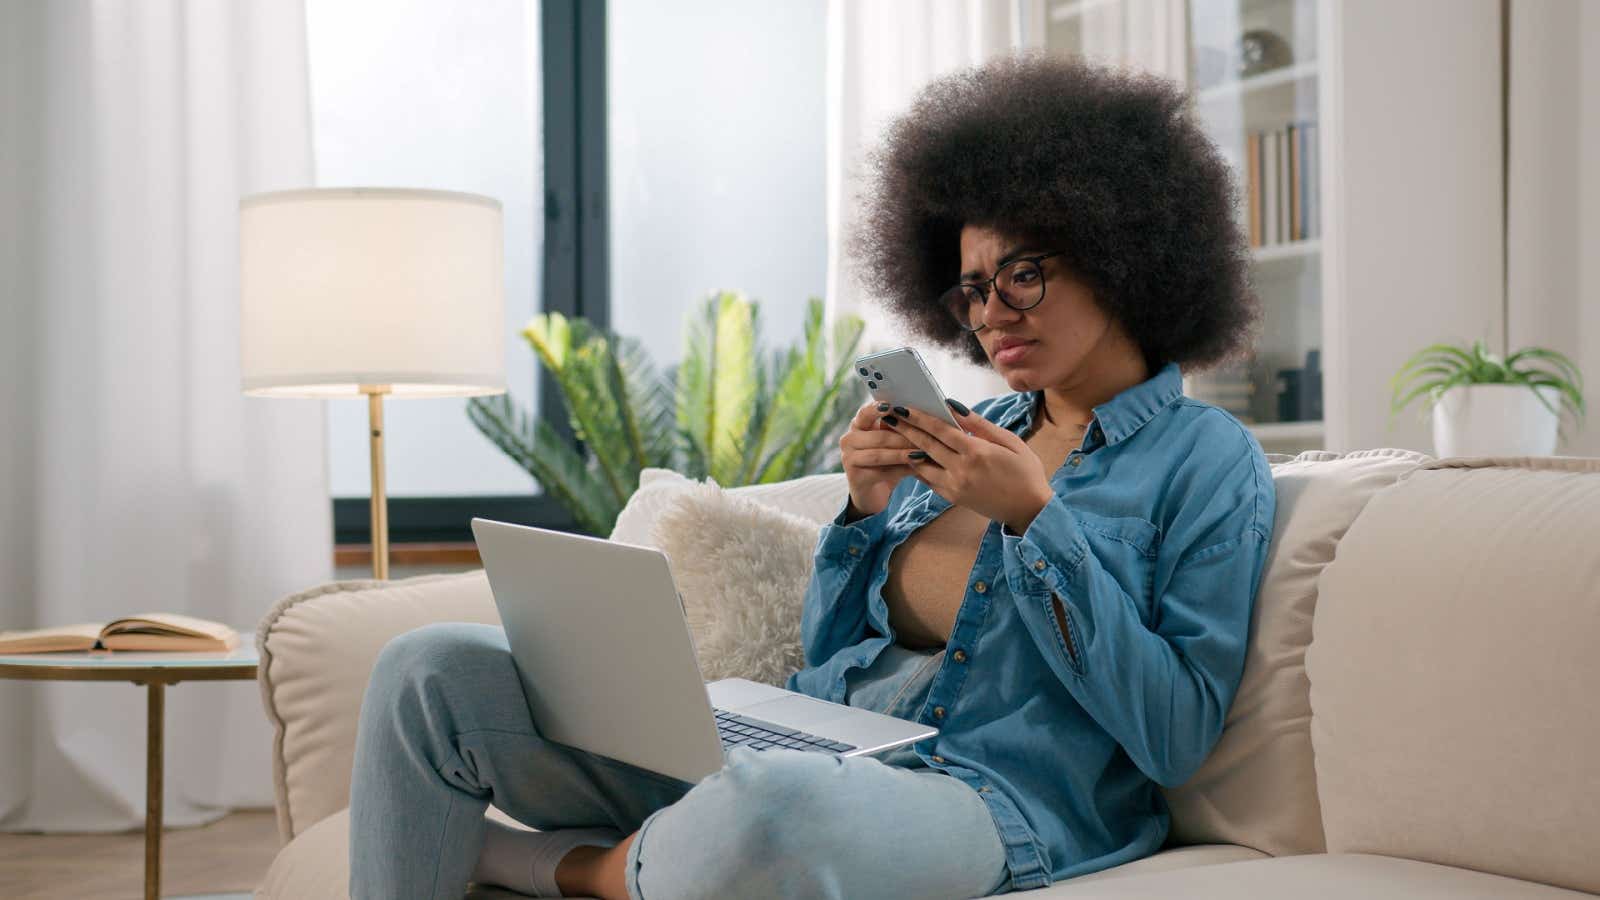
(743, 731)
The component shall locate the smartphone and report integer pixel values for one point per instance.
(900, 378)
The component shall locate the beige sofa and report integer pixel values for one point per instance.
(1438, 738)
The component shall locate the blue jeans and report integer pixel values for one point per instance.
(445, 731)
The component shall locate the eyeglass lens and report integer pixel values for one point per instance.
(1021, 285)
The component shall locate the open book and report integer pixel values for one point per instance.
(146, 631)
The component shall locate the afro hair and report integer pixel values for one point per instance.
(1106, 164)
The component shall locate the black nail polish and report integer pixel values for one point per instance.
(891, 420)
(903, 411)
(956, 405)
(917, 454)
(883, 407)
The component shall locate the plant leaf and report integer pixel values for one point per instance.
(554, 465)
(823, 417)
(593, 409)
(1566, 367)
(733, 383)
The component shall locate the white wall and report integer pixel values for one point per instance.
(717, 131)
(1588, 295)
(1554, 223)
(1413, 245)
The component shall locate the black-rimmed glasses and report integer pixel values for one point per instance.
(1020, 284)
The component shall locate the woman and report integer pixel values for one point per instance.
(1062, 585)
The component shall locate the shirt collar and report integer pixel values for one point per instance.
(1118, 417)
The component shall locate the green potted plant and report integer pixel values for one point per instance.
(1487, 405)
(729, 410)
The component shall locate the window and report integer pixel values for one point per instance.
(717, 127)
(646, 155)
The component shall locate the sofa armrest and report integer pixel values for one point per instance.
(317, 650)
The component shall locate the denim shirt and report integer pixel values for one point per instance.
(1154, 544)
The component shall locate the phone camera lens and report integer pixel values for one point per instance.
(872, 384)
(878, 375)
(863, 371)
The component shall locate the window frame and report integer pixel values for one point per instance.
(575, 279)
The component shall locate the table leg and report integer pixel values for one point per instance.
(154, 725)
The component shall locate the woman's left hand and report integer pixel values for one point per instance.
(988, 469)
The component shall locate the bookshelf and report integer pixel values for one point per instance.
(1075, 9)
(1291, 76)
(1254, 74)
(1281, 434)
(1294, 252)
(1407, 184)
(1401, 241)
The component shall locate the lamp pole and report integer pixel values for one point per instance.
(380, 501)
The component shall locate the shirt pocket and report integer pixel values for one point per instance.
(1125, 547)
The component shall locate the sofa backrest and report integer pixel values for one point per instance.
(1454, 672)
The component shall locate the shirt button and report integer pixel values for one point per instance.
(960, 655)
(939, 760)
(1076, 460)
(938, 712)
(854, 551)
(1038, 564)
(980, 587)
(984, 789)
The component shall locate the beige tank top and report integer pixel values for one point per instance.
(928, 572)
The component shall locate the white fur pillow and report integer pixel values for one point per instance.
(742, 567)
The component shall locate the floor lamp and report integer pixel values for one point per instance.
(371, 291)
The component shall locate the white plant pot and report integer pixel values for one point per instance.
(1495, 420)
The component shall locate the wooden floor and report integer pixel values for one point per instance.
(231, 855)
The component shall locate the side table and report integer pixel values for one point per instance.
(156, 670)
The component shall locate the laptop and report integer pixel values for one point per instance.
(602, 646)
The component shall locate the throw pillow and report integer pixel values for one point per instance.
(742, 567)
(638, 516)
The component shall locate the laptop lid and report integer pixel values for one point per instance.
(601, 645)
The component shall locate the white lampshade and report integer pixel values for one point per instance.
(343, 287)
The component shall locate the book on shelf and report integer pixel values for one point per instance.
(1233, 396)
(145, 631)
(1252, 153)
(1281, 188)
(1296, 232)
(1270, 197)
(1312, 184)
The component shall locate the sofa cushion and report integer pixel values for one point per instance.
(317, 649)
(316, 865)
(742, 568)
(1317, 876)
(1171, 858)
(1258, 786)
(1453, 671)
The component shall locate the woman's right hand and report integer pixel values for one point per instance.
(874, 457)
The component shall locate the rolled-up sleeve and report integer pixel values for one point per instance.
(1162, 692)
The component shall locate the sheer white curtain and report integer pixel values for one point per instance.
(1151, 35)
(135, 475)
(881, 52)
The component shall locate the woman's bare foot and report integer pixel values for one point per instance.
(589, 871)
